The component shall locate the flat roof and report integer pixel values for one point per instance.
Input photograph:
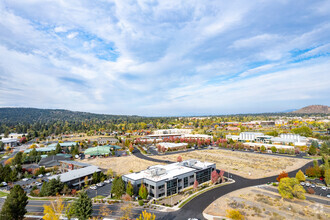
(77, 163)
(75, 174)
(172, 145)
(170, 171)
(65, 144)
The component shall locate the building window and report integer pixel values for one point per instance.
(191, 183)
(152, 187)
(179, 180)
(171, 187)
(203, 175)
(161, 194)
(185, 182)
(192, 176)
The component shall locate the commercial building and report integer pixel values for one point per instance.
(9, 142)
(268, 146)
(76, 178)
(173, 131)
(65, 144)
(166, 180)
(101, 150)
(107, 140)
(41, 149)
(67, 165)
(172, 146)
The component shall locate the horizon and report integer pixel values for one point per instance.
(165, 59)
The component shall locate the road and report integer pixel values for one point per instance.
(195, 207)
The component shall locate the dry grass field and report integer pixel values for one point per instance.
(121, 165)
(241, 163)
(258, 203)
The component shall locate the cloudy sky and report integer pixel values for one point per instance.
(165, 57)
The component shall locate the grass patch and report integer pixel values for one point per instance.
(2, 194)
(99, 197)
(313, 157)
(45, 199)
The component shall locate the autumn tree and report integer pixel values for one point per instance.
(290, 187)
(179, 159)
(54, 210)
(214, 176)
(14, 205)
(221, 175)
(300, 176)
(143, 192)
(282, 175)
(312, 150)
(69, 211)
(146, 216)
(195, 185)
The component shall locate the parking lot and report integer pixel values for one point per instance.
(317, 188)
(100, 191)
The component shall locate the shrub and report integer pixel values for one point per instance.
(234, 214)
(141, 202)
(310, 191)
(300, 176)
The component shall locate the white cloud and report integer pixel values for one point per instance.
(72, 35)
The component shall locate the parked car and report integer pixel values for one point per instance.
(324, 188)
(25, 179)
(308, 184)
(48, 174)
(302, 183)
(100, 184)
(108, 181)
(93, 187)
(4, 184)
(313, 185)
(328, 195)
(40, 175)
(38, 183)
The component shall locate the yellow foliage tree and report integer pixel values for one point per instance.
(54, 210)
(234, 214)
(146, 216)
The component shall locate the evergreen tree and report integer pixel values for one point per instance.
(18, 158)
(129, 189)
(58, 149)
(143, 193)
(83, 207)
(312, 150)
(118, 187)
(14, 206)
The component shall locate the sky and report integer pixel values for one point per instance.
(165, 58)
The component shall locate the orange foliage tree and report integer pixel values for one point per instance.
(283, 174)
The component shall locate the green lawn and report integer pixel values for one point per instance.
(2, 194)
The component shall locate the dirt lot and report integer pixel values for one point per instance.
(121, 165)
(243, 164)
(258, 203)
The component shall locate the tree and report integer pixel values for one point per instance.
(146, 216)
(83, 207)
(290, 187)
(179, 159)
(18, 158)
(273, 149)
(300, 176)
(195, 185)
(234, 214)
(95, 178)
(143, 192)
(69, 211)
(86, 181)
(263, 148)
(312, 150)
(118, 187)
(129, 189)
(283, 174)
(54, 210)
(14, 205)
(58, 149)
(327, 176)
(325, 148)
(214, 176)
(303, 131)
(110, 173)
(127, 211)
(131, 148)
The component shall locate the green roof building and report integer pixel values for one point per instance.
(101, 150)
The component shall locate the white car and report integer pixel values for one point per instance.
(328, 195)
(38, 183)
(313, 185)
(324, 188)
(40, 175)
(307, 184)
(25, 179)
(93, 187)
(48, 174)
(107, 181)
(302, 183)
(4, 184)
(100, 184)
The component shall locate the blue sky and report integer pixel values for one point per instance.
(165, 57)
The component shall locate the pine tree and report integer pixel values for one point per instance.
(129, 189)
(14, 206)
(83, 207)
(118, 187)
(58, 149)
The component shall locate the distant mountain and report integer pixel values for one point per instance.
(314, 109)
(30, 115)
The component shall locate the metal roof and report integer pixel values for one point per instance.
(75, 174)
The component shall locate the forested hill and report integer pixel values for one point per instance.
(32, 115)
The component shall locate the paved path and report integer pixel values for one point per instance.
(196, 206)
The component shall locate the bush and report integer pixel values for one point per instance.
(311, 191)
(234, 214)
(141, 202)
